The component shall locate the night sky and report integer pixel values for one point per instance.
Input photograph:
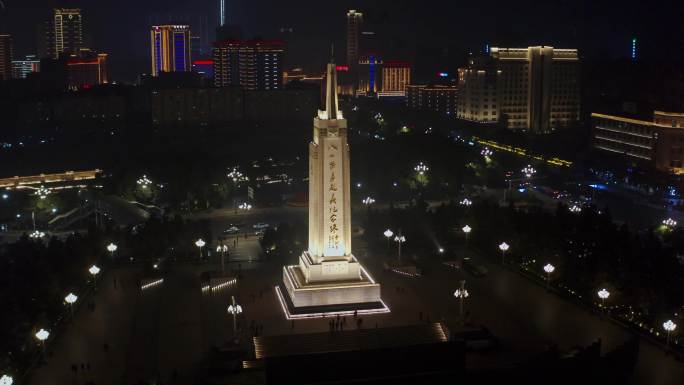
(430, 33)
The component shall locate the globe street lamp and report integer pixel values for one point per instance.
(200, 244)
(223, 249)
(94, 271)
(6, 380)
(234, 309)
(466, 202)
(669, 222)
(399, 239)
(466, 230)
(42, 335)
(71, 298)
(669, 327)
(111, 248)
(529, 171)
(603, 294)
(368, 201)
(549, 268)
(245, 206)
(461, 293)
(388, 234)
(575, 209)
(504, 248)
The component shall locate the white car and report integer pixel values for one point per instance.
(231, 230)
(261, 226)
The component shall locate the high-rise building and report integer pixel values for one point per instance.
(22, 68)
(434, 97)
(250, 64)
(222, 12)
(63, 32)
(87, 69)
(5, 57)
(534, 88)
(396, 75)
(658, 143)
(369, 75)
(354, 22)
(170, 48)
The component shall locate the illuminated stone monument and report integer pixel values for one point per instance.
(329, 279)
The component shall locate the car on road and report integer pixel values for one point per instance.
(232, 230)
(260, 226)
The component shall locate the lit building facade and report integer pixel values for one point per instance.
(21, 69)
(370, 75)
(87, 69)
(437, 97)
(659, 143)
(64, 34)
(5, 57)
(396, 75)
(250, 64)
(170, 48)
(534, 88)
(354, 23)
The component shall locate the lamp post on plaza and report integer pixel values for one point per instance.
(368, 201)
(399, 239)
(94, 271)
(466, 230)
(112, 248)
(71, 298)
(388, 234)
(6, 380)
(669, 327)
(200, 244)
(603, 294)
(504, 248)
(42, 335)
(549, 268)
(461, 293)
(466, 202)
(223, 249)
(234, 309)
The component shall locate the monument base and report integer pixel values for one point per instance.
(300, 299)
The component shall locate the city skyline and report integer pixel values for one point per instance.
(450, 33)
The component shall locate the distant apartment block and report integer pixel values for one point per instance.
(659, 143)
(437, 97)
(534, 88)
(250, 64)
(21, 69)
(170, 48)
(5, 57)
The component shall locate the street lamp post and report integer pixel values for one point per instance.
(111, 248)
(388, 234)
(669, 327)
(42, 335)
(71, 298)
(466, 230)
(399, 239)
(504, 248)
(234, 309)
(222, 249)
(94, 271)
(603, 294)
(549, 268)
(461, 293)
(200, 244)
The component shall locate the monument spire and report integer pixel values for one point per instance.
(331, 103)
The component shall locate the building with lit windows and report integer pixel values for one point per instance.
(354, 23)
(435, 97)
(64, 32)
(170, 48)
(369, 75)
(22, 68)
(250, 64)
(87, 69)
(658, 143)
(396, 75)
(534, 88)
(5, 57)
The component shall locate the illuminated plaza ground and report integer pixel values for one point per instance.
(169, 328)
